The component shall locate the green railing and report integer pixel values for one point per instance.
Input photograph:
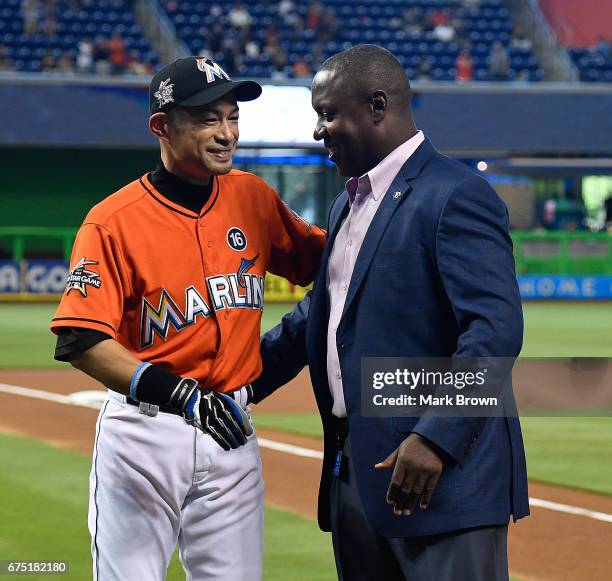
(22, 237)
(568, 253)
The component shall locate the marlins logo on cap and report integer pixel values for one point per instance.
(212, 70)
(182, 84)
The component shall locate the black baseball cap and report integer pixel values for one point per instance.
(194, 81)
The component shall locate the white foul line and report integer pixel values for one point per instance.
(290, 449)
(39, 394)
(568, 509)
(286, 448)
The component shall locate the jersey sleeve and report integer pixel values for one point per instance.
(72, 340)
(297, 246)
(96, 284)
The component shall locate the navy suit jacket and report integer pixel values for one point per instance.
(434, 278)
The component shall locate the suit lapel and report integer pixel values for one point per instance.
(335, 221)
(319, 303)
(399, 190)
(391, 201)
(318, 317)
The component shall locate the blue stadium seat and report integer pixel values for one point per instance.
(593, 66)
(358, 21)
(23, 52)
(481, 74)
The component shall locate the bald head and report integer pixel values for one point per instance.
(366, 69)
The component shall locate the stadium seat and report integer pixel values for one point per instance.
(357, 21)
(593, 66)
(91, 19)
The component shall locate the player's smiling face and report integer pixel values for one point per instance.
(344, 124)
(203, 139)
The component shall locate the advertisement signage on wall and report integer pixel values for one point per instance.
(565, 287)
(48, 277)
(10, 276)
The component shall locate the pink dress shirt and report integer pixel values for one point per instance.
(365, 196)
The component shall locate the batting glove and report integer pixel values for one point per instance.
(215, 413)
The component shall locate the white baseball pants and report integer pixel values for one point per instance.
(156, 481)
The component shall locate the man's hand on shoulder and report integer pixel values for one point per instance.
(417, 467)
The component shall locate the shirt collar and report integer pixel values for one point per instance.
(379, 179)
(189, 195)
(358, 187)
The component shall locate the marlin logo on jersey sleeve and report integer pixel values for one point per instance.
(80, 277)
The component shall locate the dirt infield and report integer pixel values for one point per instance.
(548, 546)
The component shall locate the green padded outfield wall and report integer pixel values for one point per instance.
(56, 187)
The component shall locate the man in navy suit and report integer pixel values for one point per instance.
(419, 263)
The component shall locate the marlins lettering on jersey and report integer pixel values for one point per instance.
(233, 291)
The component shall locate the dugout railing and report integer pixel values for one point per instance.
(565, 253)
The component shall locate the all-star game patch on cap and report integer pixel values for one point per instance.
(192, 82)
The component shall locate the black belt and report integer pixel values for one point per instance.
(342, 429)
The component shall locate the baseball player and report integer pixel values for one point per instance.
(163, 305)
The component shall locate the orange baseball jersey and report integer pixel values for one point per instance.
(184, 290)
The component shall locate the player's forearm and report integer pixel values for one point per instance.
(215, 414)
(108, 362)
(115, 367)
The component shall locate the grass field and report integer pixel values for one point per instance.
(43, 515)
(567, 330)
(551, 330)
(565, 451)
(46, 519)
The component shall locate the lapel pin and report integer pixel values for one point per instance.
(396, 195)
